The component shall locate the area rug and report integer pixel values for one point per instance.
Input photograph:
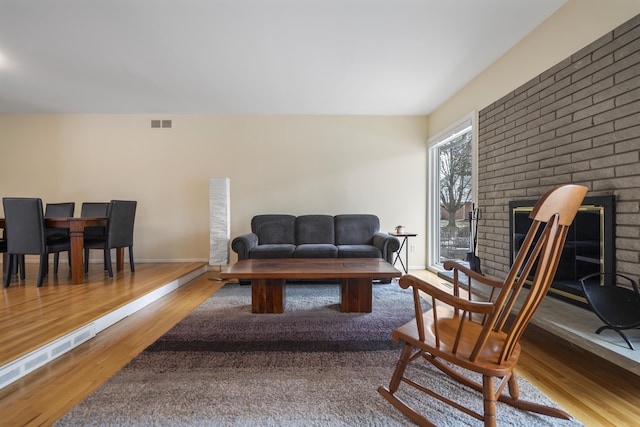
(310, 366)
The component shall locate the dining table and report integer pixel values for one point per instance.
(76, 226)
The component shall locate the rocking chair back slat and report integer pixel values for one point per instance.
(418, 310)
(524, 273)
(547, 255)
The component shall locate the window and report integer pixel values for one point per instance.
(451, 193)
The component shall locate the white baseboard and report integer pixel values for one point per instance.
(26, 364)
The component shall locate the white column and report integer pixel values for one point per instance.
(219, 227)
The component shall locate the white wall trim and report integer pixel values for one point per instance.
(28, 363)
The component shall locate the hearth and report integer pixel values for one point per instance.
(589, 248)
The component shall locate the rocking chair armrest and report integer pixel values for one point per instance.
(452, 265)
(482, 307)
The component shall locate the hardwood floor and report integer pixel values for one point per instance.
(595, 392)
(31, 316)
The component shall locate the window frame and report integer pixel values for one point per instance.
(433, 178)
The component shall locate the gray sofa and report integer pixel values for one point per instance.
(315, 236)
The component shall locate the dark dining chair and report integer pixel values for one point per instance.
(58, 210)
(3, 250)
(94, 210)
(25, 232)
(119, 234)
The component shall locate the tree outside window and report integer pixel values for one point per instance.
(456, 193)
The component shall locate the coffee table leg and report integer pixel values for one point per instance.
(356, 295)
(267, 295)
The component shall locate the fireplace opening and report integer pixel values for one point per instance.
(589, 248)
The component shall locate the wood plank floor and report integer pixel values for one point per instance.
(31, 316)
(595, 392)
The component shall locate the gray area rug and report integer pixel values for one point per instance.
(311, 366)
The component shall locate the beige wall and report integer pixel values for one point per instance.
(572, 27)
(276, 164)
(290, 164)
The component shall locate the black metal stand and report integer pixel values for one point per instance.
(617, 306)
(403, 244)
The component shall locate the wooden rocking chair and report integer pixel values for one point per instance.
(482, 336)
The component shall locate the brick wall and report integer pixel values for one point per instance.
(578, 122)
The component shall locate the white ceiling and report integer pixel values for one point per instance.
(387, 57)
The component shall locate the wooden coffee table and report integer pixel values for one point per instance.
(268, 278)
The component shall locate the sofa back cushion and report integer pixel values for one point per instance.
(356, 229)
(314, 229)
(274, 229)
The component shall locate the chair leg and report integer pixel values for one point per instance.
(8, 271)
(514, 389)
(131, 265)
(107, 260)
(56, 259)
(401, 366)
(44, 262)
(86, 260)
(489, 396)
(22, 267)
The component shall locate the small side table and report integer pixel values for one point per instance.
(403, 244)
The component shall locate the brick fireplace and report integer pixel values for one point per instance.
(578, 122)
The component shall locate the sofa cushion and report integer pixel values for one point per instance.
(358, 251)
(315, 229)
(355, 229)
(274, 229)
(320, 250)
(272, 251)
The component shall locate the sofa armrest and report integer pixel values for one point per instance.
(243, 244)
(387, 244)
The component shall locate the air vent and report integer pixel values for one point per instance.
(166, 123)
(155, 123)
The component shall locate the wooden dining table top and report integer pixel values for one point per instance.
(68, 222)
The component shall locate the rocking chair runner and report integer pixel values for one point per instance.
(482, 336)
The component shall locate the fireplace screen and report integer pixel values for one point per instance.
(589, 247)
